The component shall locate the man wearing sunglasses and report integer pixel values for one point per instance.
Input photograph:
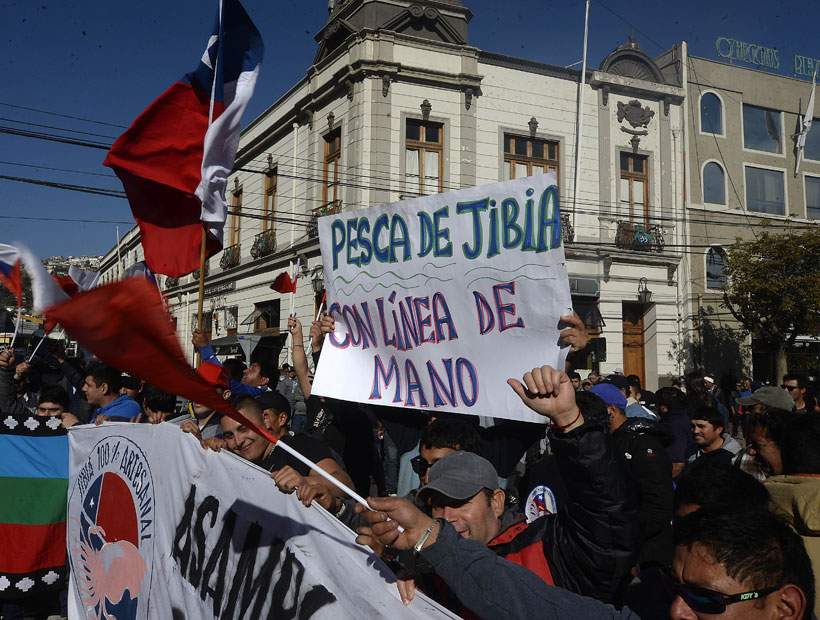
(795, 385)
(717, 572)
(730, 564)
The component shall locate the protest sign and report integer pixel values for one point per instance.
(439, 300)
(161, 528)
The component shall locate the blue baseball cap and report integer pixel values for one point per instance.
(609, 394)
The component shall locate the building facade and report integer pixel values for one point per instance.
(741, 126)
(397, 104)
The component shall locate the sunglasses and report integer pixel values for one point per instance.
(789, 388)
(419, 465)
(704, 601)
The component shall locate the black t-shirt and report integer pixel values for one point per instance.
(307, 446)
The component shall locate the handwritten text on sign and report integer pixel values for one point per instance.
(438, 300)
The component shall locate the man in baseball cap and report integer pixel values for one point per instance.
(462, 488)
(768, 398)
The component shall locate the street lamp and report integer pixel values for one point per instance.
(318, 280)
(644, 294)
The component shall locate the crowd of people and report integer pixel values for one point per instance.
(689, 502)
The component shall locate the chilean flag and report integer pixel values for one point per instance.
(10, 271)
(284, 284)
(175, 158)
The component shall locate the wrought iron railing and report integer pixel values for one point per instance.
(329, 208)
(639, 237)
(195, 274)
(264, 244)
(230, 256)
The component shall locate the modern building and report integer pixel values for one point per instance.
(740, 150)
(397, 104)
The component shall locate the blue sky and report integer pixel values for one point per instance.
(108, 61)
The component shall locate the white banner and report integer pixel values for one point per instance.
(439, 300)
(160, 528)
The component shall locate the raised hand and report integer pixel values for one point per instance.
(549, 392)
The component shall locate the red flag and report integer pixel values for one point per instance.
(125, 325)
(283, 283)
(68, 285)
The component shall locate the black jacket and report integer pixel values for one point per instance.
(9, 403)
(594, 539)
(643, 443)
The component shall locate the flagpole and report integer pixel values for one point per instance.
(201, 288)
(119, 254)
(204, 225)
(37, 348)
(16, 326)
(337, 483)
(580, 133)
(293, 293)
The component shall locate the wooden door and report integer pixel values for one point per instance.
(633, 341)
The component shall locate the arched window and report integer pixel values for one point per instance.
(715, 268)
(711, 114)
(714, 184)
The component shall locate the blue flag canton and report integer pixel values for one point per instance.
(238, 47)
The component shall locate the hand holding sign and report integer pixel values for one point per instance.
(575, 335)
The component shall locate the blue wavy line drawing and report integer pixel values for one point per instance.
(372, 277)
(377, 285)
(426, 265)
(516, 279)
(505, 270)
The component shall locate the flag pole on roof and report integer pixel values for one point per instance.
(805, 126)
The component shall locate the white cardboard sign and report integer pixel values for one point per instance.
(439, 300)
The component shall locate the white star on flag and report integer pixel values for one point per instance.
(206, 56)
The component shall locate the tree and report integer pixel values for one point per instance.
(773, 288)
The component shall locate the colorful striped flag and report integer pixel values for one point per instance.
(33, 487)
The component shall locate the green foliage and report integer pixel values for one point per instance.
(774, 285)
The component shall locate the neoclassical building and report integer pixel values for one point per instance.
(398, 104)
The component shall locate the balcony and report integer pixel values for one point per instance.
(639, 237)
(264, 244)
(195, 274)
(329, 208)
(230, 256)
(567, 231)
